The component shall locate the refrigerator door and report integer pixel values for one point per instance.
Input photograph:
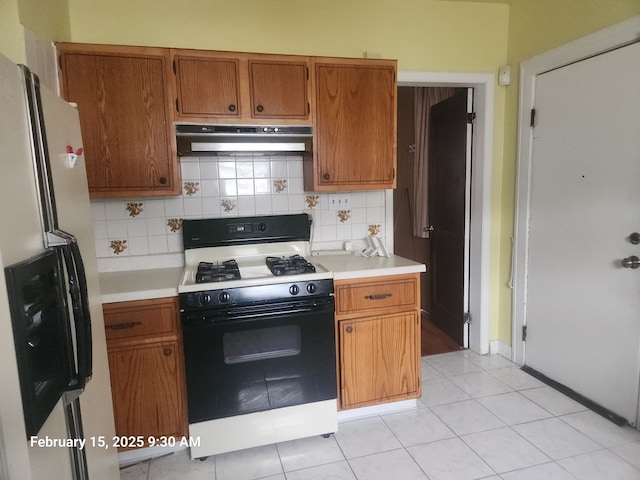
(74, 215)
(22, 237)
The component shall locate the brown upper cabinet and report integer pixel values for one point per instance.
(235, 87)
(126, 117)
(354, 125)
(129, 98)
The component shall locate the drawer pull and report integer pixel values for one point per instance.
(378, 296)
(167, 352)
(124, 325)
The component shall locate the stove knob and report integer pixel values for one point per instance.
(294, 289)
(205, 299)
(312, 288)
(262, 227)
(224, 297)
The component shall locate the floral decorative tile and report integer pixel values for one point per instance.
(134, 208)
(344, 215)
(374, 230)
(280, 185)
(312, 201)
(174, 224)
(118, 246)
(228, 204)
(191, 188)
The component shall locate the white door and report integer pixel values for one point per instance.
(582, 306)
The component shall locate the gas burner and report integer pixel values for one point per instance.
(217, 272)
(293, 265)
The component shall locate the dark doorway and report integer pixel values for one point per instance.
(434, 339)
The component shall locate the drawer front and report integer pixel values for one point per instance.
(139, 319)
(375, 297)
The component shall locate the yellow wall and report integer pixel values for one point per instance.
(48, 18)
(11, 32)
(426, 35)
(423, 35)
(536, 26)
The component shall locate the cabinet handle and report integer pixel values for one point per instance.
(232, 108)
(349, 329)
(163, 180)
(167, 352)
(326, 176)
(124, 325)
(259, 108)
(378, 296)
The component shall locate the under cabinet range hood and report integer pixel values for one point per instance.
(202, 140)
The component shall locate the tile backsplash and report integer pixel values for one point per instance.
(235, 186)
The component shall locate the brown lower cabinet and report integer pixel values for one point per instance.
(378, 340)
(147, 371)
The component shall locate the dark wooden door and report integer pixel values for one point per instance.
(447, 174)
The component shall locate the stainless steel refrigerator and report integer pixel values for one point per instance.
(45, 219)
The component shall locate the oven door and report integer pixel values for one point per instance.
(250, 359)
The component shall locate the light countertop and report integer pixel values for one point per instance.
(140, 284)
(127, 285)
(349, 266)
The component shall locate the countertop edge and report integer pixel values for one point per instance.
(131, 285)
(378, 272)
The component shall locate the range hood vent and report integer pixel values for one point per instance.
(203, 140)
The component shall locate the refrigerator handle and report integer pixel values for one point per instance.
(87, 355)
(79, 303)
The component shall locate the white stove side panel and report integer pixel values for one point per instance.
(262, 428)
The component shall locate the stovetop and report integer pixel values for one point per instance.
(251, 262)
(228, 253)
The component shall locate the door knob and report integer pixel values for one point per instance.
(634, 238)
(430, 228)
(631, 262)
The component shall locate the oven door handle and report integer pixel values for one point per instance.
(239, 314)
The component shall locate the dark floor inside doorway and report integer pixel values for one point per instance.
(434, 340)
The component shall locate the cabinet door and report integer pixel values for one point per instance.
(146, 386)
(379, 359)
(125, 116)
(207, 87)
(355, 126)
(279, 89)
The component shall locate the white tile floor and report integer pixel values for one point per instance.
(480, 417)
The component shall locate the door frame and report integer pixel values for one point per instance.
(479, 229)
(601, 41)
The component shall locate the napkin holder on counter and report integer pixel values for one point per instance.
(376, 248)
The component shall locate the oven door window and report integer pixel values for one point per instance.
(259, 362)
(261, 344)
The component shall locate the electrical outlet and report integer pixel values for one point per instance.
(340, 201)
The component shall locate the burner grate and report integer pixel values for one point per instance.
(217, 272)
(294, 265)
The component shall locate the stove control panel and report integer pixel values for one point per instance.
(258, 294)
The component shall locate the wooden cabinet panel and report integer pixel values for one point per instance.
(355, 125)
(125, 116)
(366, 297)
(146, 390)
(378, 359)
(378, 339)
(146, 366)
(207, 87)
(278, 89)
(147, 318)
(234, 87)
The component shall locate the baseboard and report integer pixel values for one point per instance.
(587, 402)
(500, 348)
(346, 415)
(131, 457)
